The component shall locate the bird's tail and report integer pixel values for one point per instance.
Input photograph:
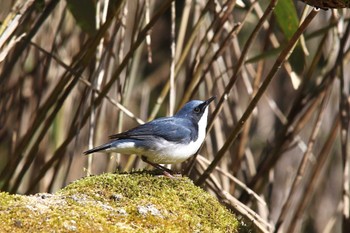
(99, 148)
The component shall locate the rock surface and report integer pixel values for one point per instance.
(137, 202)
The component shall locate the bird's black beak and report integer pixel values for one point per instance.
(208, 101)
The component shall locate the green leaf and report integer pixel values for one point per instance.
(287, 17)
(84, 13)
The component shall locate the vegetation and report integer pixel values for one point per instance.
(72, 73)
(134, 202)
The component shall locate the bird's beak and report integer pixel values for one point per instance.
(207, 102)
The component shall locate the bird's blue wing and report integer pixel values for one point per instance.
(168, 128)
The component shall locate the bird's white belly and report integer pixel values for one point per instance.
(172, 153)
(166, 153)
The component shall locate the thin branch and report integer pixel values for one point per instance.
(303, 164)
(281, 58)
(312, 184)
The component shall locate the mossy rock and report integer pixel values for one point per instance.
(137, 202)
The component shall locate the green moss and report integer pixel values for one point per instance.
(137, 202)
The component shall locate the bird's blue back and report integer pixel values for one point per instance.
(173, 129)
(181, 128)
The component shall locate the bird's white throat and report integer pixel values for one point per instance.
(202, 126)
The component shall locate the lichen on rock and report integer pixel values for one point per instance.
(133, 202)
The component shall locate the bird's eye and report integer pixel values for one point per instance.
(197, 110)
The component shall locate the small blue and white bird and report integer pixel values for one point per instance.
(166, 140)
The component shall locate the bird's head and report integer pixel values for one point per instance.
(195, 109)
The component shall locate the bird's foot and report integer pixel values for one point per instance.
(166, 172)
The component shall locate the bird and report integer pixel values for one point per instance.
(165, 140)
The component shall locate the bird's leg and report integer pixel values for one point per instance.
(167, 172)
